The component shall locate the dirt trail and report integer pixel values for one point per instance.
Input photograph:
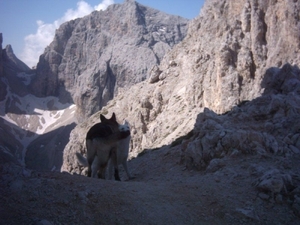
(163, 192)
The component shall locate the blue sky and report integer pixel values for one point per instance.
(29, 25)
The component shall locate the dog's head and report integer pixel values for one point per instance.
(124, 126)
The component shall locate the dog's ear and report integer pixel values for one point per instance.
(113, 117)
(102, 118)
(125, 122)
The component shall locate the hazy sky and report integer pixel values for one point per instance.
(29, 25)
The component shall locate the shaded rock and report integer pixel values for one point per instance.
(296, 206)
(215, 165)
(273, 181)
(14, 63)
(13, 73)
(248, 213)
(44, 222)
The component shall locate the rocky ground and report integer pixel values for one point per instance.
(163, 192)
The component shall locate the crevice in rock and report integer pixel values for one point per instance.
(109, 87)
(252, 66)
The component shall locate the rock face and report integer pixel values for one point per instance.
(90, 58)
(12, 62)
(266, 125)
(10, 67)
(225, 60)
(236, 43)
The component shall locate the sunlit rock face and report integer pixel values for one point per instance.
(92, 57)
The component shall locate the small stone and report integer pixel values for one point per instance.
(264, 196)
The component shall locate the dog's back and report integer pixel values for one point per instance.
(103, 129)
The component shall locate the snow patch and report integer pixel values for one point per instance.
(30, 116)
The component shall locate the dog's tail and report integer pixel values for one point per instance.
(81, 159)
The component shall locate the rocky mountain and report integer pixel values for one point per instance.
(89, 60)
(92, 57)
(223, 61)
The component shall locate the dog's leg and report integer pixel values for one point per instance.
(114, 159)
(103, 155)
(95, 167)
(102, 164)
(91, 153)
(117, 177)
(110, 169)
(101, 171)
(90, 162)
(126, 169)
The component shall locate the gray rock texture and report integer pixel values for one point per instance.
(10, 67)
(230, 46)
(266, 125)
(12, 62)
(92, 57)
(226, 59)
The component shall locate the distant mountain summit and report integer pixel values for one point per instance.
(10, 68)
(12, 62)
(91, 58)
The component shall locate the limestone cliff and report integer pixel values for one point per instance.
(90, 58)
(221, 63)
(230, 46)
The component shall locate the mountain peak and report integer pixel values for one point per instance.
(12, 59)
(9, 50)
(117, 47)
(1, 40)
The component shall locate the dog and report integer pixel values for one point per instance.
(122, 155)
(102, 141)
